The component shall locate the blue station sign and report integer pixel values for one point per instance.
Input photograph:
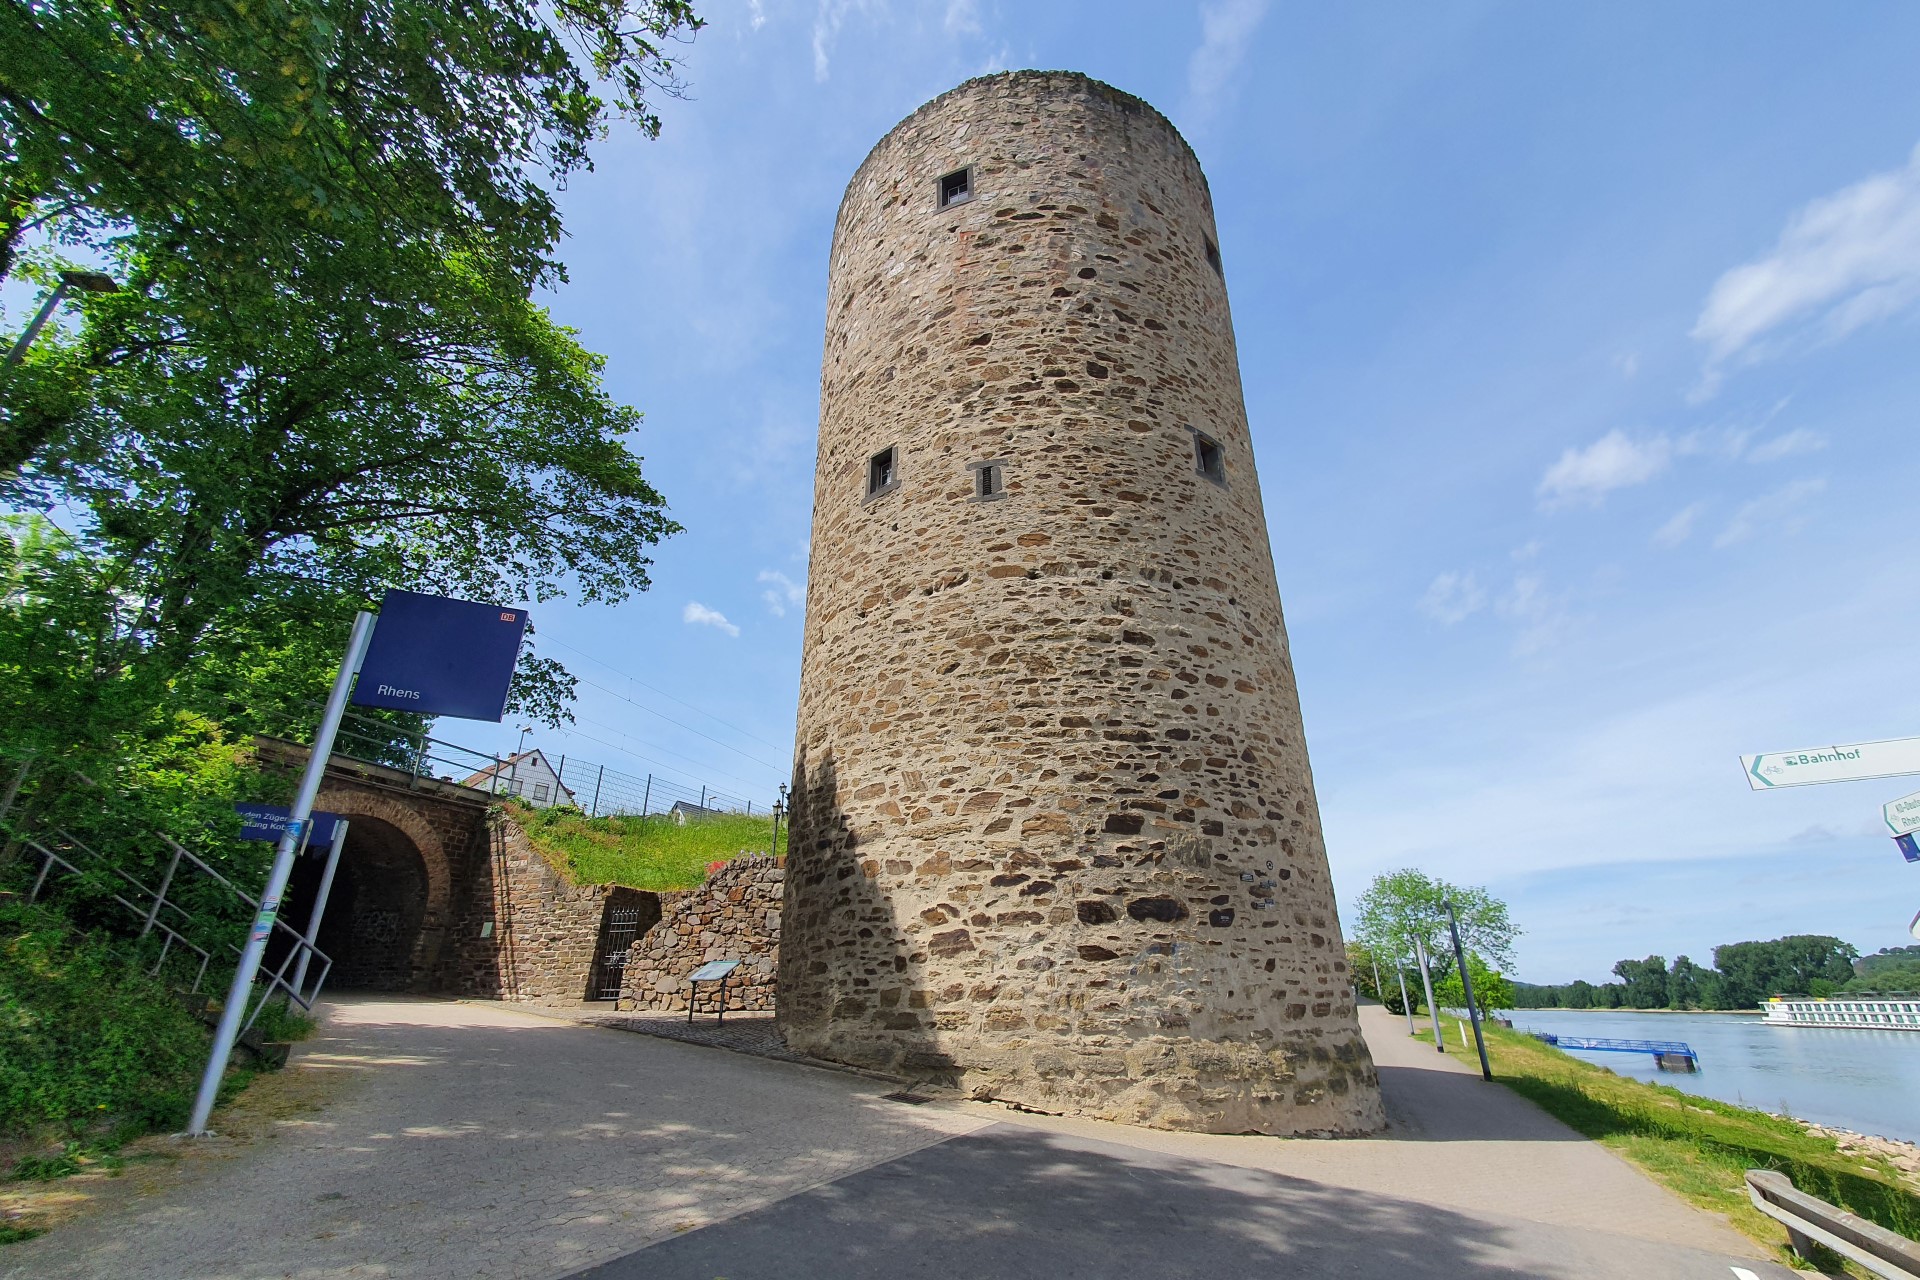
(269, 822)
(441, 657)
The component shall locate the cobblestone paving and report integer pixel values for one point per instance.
(466, 1139)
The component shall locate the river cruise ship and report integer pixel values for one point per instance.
(1877, 1013)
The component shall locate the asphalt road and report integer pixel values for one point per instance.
(1021, 1204)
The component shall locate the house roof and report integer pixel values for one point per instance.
(481, 778)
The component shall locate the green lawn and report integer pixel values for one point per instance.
(1695, 1146)
(653, 852)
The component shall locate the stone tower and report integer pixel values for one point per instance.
(1054, 835)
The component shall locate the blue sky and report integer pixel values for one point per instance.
(1580, 347)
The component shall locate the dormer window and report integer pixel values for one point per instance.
(956, 187)
(883, 472)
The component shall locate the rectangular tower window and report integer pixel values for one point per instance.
(1213, 255)
(989, 480)
(883, 471)
(1208, 458)
(956, 187)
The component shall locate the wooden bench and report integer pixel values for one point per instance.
(1808, 1220)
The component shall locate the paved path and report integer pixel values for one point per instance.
(475, 1140)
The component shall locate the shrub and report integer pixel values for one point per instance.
(89, 1044)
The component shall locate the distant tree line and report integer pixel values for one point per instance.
(1744, 974)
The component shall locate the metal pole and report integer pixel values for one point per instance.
(646, 796)
(595, 811)
(1405, 1003)
(1379, 988)
(242, 986)
(703, 795)
(320, 904)
(1426, 980)
(39, 322)
(1466, 985)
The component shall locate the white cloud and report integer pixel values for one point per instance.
(1453, 597)
(1226, 28)
(758, 14)
(781, 592)
(1843, 261)
(1541, 616)
(963, 18)
(1680, 528)
(1612, 462)
(698, 615)
(1778, 510)
(826, 29)
(1786, 445)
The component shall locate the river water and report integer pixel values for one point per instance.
(1867, 1081)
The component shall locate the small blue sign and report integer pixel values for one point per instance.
(269, 822)
(441, 657)
(1908, 849)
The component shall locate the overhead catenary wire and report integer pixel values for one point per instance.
(745, 733)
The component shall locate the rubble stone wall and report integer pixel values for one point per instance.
(735, 915)
(1054, 833)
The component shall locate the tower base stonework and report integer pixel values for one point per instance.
(1054, 838)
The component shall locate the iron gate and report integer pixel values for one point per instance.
(622, 929)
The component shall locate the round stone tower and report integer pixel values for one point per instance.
(1054, 835)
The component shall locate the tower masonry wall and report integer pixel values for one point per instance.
(1054, 832)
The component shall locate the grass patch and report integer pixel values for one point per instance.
(1698, 1147)
(653, 852)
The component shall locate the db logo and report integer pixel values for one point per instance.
(509, 617)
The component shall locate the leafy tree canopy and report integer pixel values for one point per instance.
(1406, 904)
(227, 127)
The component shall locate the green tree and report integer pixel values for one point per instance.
(1405, 904)
(1752, 971)
(1645, 982)
(231, 128)
(1579, 994)
(288, 461)
(1491, 991)
(1684, 984)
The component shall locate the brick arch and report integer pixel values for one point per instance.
(352, 802)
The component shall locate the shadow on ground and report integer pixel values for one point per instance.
(1013, 1202)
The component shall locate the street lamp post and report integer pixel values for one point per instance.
(1466, 985)
(85, 281)
(1426, 981)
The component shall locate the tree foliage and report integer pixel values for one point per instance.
(1406, 904)
(230, 128)
(1744, 975)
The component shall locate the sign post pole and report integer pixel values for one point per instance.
(232, 1014)
(1400, 972)
(320, 904)
(1466, 985)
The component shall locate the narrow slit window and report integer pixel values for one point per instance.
(1213, 256)
(956, 187)
(883, 471)
(1208, 458)
(989, 480)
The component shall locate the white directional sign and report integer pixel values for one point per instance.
(1849, 763)
(1902, 815)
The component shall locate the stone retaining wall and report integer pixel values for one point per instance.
(735, 915)
(544, 930)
